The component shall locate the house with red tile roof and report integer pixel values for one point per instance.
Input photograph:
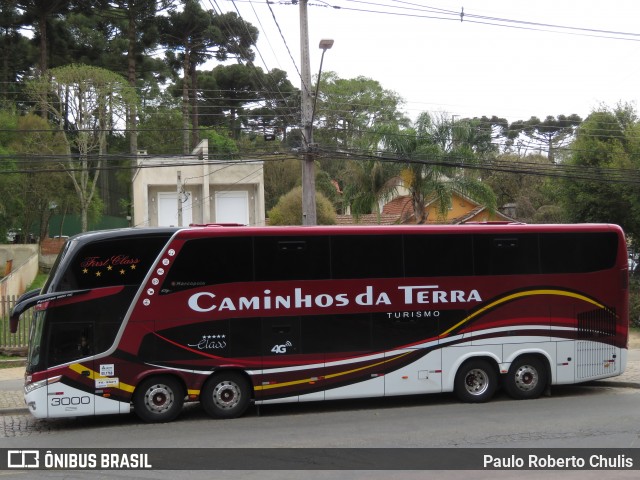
(400, 211)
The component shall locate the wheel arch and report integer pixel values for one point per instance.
(159, 374)
(237, 370)
(539, 354)
(448, 380)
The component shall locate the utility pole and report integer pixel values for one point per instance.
(308, 166)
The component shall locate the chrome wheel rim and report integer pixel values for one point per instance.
(476, 381)
(159, 398)
(226, 395)
(526, 378)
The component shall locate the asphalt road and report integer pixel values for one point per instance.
(572, 417)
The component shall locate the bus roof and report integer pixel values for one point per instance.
(493, 227)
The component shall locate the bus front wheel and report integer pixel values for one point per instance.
(527, 378)
(476, 381)
(226, 395)
(158, 399)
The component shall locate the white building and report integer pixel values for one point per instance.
(210, 191)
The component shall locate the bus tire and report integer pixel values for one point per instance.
(158, 399)
(476, 381)
(526, 379)
(226, 395)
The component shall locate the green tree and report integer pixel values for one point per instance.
(280, 177)
(353, 113)
(288, 210)
(481, 135)
(9, 179)
(42, 186)
(433, 174)
(44, 14)
(201, 35)
(369, 183)
(160, 127)
(15, 53)
(606, 144)
(532, 198)
(280, 106)
(220, 145)
(135, 21)
(83, 100)
(553, 132)
(235, 86)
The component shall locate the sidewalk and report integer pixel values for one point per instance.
(12, 401)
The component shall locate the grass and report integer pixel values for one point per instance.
(38, 282)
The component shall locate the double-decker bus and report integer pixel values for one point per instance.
(230, 315)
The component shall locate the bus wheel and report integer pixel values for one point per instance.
(476, 381)
(225, 395)
(158, 399)
(527, 378)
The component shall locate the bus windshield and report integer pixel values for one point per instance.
(89, 290)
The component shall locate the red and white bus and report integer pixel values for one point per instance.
(230, 315)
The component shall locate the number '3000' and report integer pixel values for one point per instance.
(64, 401)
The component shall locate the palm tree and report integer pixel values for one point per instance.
(433, 170)
(368, 183)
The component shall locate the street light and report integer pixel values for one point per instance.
(325, 44)
(309, 210)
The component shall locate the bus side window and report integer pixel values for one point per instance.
(366, 256)
(210, 261)
(70, 341)
(292, 258)
(506, 254)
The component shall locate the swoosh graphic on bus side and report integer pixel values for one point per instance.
(514, 296)
(331, 375)
(93, 375)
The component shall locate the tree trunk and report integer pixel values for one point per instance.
(42, 25)
(418, 208)
(131, 73)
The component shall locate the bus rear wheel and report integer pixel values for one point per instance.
(475, 382)
(527, 378)
(158, 399)
(225, 395)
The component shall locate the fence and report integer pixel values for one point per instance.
(19, 339)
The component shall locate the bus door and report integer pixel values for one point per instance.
(281, 359)
(353, 367)
(85, 385)
(565, 345)
(413, 361)
(70, 345)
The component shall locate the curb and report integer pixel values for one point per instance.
(14, 411)
(19, 362)
(612, 383)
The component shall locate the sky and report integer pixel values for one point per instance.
(421, 50)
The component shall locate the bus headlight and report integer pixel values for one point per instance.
(30, 387)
